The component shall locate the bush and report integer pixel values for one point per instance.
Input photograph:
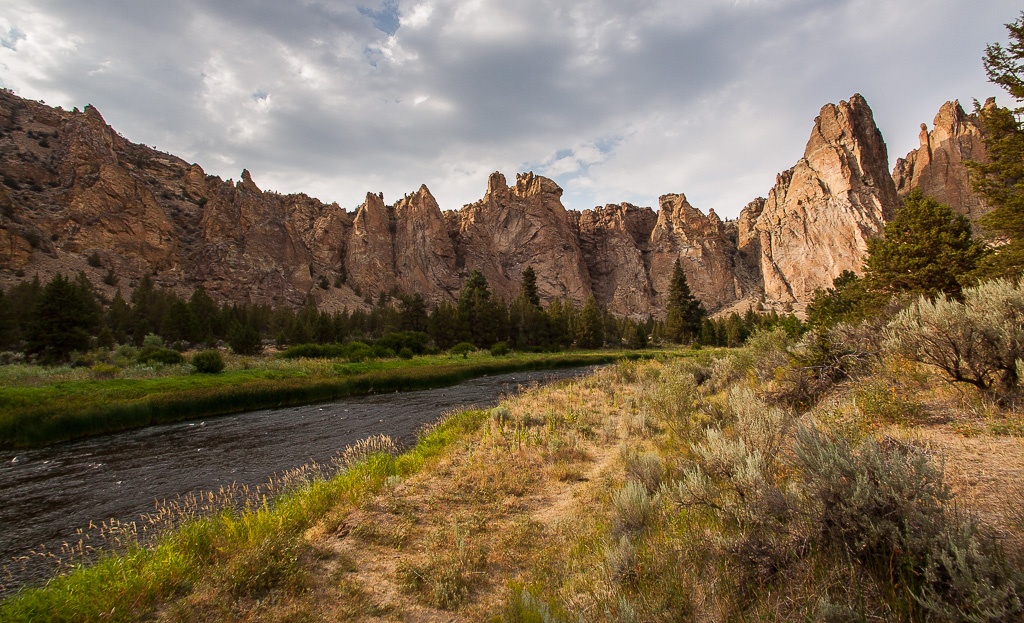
(359, 351)
(317, 351)
(208, 362)
(887, 506)
(500, 349)
(977, 341)
(165, 356)
(94, 260)
(416, 341)
(405, 353)
(462, 348)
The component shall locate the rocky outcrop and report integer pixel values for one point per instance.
(937, 166)
(816, 221)
(615, 240)
(519, 226)
(701, 244)
(425, 257)
(73, 188)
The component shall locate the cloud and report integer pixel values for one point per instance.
(616, 102)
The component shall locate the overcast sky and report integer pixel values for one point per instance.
(617, 101)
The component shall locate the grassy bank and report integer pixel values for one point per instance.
(40, 413)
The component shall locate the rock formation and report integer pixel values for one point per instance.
(519, 226)
(817, 219)
(73, 187)
(937, 166)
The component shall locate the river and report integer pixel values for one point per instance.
(46, 494)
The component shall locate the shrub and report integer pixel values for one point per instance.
(462, 348)
(208, 362)
(499, 349)
(416, 341)
(359, 351)
(405, 353)
(634, 509)
(977, 341)
(886, 506)
(317, 351)
(165, 356)
(94, 260)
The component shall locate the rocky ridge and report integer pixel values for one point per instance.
(937, 166)
(73, 188)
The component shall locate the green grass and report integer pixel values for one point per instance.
(249, 552)
(51, 412)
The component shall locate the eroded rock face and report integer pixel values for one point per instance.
(816, 221)
(425, 258)
(615, 240)
(937, 166)
(519, 226)
(702, 245)
(73, 187)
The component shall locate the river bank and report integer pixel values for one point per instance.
(47, 412)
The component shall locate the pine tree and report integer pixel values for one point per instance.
(1001, 180)
(684, 311)
(590, 326)
(443, 325)
(208, 324)
(64, 319)
(529, 287)
(8, 325)
(926, 249)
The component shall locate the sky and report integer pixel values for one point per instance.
(616, 101)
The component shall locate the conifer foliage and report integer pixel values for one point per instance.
(685, 311)
(1000, 180)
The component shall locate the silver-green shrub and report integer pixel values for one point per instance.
(976, 341)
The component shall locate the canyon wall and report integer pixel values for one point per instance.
(74, 191)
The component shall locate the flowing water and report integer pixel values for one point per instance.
(48, 493)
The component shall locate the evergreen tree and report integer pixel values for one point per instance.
(482, 320)
(561, 317)
(179, 324)
(926, 249)
(590, 327)
(412, 313)
(528, 289)
(64, 319)
(245, 339)
(1001, 180)
(8, 324)
(208, 325)
(443, 325)
(684, 312)
(118, 318)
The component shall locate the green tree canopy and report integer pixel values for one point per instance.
(64, 319)
(590, 326)
(927, 248)
(685, 312)
(1000, 180)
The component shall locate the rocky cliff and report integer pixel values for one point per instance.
(816, 221)
(937, 166)
(74, 192)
